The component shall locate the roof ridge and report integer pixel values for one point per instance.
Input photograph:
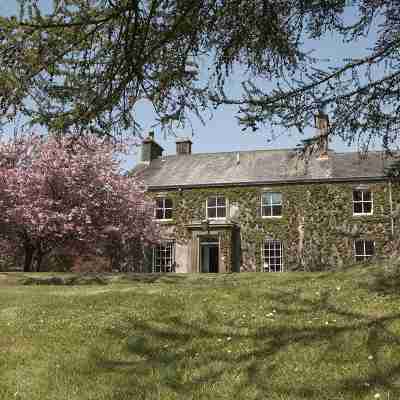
(235, 152)
(280, 150)
(358, 152)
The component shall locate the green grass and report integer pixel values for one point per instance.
(239, 336)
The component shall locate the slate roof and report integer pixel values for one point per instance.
(257, 168)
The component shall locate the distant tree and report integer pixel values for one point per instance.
(70, 194)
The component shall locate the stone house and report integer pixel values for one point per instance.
(269, 210)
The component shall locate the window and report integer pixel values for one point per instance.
(362, 202)
(271, 204)
(272, 256)
(216, 207)
(364, 249)
(163, 208)
(164, 257)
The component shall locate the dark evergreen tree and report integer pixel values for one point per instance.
(87, 64)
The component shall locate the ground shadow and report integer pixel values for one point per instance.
(184, 356)
(385, 280)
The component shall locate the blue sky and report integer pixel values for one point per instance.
(222, 132)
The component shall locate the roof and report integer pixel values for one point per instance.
(258, 167)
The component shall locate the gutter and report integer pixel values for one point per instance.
(263, 183)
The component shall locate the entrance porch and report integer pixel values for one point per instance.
(214, 247)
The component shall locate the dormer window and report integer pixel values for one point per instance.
(216, 207)
(163, 210)
(362, 202)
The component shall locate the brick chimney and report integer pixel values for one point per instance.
(183, 146)
(150, 149)
(322, 126)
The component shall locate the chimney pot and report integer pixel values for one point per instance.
(150, 149)
(183, 146)
(322, 125)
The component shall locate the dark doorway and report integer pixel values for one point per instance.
(209, 256)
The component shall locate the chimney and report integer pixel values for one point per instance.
(322, 125)
(183, 146)
(150, 149)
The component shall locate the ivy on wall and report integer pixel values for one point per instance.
(317, 227)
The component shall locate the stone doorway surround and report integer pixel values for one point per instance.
(221, 232)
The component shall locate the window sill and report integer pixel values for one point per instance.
(273, 272)
(363, 214)
(163, 220)
(272, 216)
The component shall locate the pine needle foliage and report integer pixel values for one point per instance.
(87, 64)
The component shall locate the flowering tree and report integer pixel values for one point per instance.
(68, 193)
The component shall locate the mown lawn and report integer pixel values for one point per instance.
(239, 336)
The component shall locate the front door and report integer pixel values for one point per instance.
(209, 256)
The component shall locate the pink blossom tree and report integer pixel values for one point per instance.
(69, 193)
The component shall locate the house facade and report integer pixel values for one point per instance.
(268, 210)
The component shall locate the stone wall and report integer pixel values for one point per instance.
(317, 227)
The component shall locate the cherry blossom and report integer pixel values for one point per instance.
(70, 194)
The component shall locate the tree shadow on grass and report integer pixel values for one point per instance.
(153, 278)
(186, 358)
(208, 280)
(385, 281)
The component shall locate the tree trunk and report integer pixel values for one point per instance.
(39, 258)
(29, 252)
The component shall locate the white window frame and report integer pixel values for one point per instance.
(271, 205)
(362, 201)
(163, 198)
(364, 255)
(265, 264)
(166, 263)
(216, 207)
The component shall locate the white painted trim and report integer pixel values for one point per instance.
(361, 214)
(364, 253)
(362, 201)
(164, 209)
(216, 207)
(281, 257)
(164, 243)
(270, 205)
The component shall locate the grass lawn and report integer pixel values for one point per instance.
(238, 336)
